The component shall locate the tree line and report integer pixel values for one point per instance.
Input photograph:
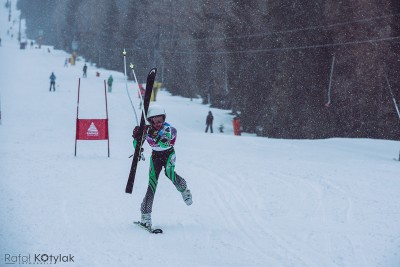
(288, 69)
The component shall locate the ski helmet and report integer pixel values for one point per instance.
(155, 110)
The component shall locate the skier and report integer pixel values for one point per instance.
(84, 71)
(209, 122)
(52, 82)
(161, 137)
(110, 82)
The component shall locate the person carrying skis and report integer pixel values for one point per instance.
(52, 82)
(161, 137)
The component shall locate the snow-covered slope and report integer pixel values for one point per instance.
(257, 201)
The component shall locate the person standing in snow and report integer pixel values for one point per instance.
(110, 82)
(209, 121)
(161, 137)
(52, 82)
(84, 71)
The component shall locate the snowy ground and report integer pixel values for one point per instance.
(257, 201)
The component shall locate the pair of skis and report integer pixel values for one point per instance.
(140, 137)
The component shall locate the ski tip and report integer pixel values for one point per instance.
(153, 71)
(157, 231)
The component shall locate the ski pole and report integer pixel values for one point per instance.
(330, 83)
(137, 87)
(391, 93)
(126, 86)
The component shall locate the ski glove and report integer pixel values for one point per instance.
(135, 133)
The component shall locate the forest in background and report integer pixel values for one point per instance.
(270, 62)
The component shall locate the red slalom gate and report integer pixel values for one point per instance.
(92, 129)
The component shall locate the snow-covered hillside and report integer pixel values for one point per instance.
(257, 201)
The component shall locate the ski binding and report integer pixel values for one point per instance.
(150, 230)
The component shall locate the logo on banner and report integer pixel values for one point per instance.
(92, 131)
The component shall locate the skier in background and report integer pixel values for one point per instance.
(84, 71)
(161, 137)
(52, 82)
(110, 82)
(209, 122)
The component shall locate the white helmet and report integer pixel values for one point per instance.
(155, 110)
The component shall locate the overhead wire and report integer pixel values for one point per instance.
(286, 48)
(278, 49)
(287, 31)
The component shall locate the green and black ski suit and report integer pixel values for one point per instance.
(163, 155)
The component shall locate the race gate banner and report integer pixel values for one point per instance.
(92, 129)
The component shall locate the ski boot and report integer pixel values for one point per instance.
(146, 220)
(187, 197)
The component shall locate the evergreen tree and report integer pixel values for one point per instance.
(109, 37)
